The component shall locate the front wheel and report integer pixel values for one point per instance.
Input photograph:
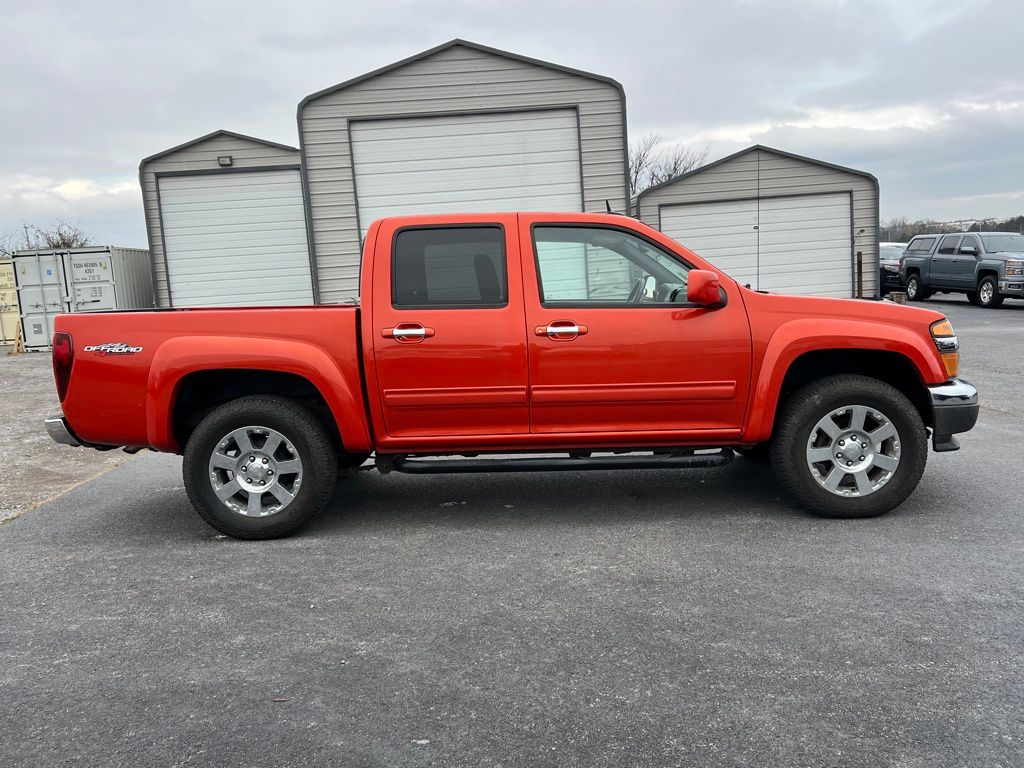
(849, 446)
(988, 293)
(259, 467)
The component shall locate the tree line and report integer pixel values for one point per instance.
(900, 230)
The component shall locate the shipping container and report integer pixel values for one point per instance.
(78, 280)
(9, 315)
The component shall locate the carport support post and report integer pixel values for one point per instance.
(860, 274)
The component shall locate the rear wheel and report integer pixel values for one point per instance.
(988, 293)
(915, 288)
(259, 467)
(849, 446)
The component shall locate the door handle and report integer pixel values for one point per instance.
(407, 332)
(559, 328)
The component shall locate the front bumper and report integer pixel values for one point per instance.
(890, 280)
(954, 410)
(1012, 287)
(59, 431)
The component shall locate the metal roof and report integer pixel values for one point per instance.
(465, 44)
(212, 135)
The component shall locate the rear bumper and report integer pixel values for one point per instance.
(954, 410)
(59, 431)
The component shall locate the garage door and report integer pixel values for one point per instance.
(523, 161)
(236, 239)
(723, 233)
(798, 245)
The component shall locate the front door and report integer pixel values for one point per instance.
(447, 330)
(614, 348)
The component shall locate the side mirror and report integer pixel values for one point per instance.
(969, 250)
(702, 289)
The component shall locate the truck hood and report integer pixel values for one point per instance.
(782, 307)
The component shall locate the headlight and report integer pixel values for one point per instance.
(1014, 267)
(948, 345)
(891, 267)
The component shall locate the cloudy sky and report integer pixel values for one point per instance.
(928, 95)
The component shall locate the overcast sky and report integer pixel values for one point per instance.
(928, 95)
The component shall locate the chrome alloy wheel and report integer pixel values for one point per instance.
(986, 292)
(255, 471)
(853, 451)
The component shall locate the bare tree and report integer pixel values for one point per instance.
(8, 242)
(63, 234)
(651, 163)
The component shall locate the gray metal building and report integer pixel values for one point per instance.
(775, 220)
(459, 128)
(226, 223)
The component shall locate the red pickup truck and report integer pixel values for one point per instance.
(570, 341)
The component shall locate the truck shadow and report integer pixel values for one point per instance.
(370, 500)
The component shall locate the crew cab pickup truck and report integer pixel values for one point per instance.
(987, 266)
(568, 341)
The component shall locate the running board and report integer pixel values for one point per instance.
(554, 463)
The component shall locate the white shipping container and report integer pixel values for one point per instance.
(9, 314)
(50, 283)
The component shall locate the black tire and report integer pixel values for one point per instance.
(972, 297)
(915, 288)
(796, 421)
(996, 299)
(307, 438)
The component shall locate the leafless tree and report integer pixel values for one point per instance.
(651, 163)
(63, 234)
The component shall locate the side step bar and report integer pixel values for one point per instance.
(553, 463)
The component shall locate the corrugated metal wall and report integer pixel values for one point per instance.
(455, 79)
(762, 172)
(199, 156)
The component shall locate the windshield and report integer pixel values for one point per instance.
(1007, 243)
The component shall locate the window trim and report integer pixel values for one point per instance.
(574, 304)
(419, 228)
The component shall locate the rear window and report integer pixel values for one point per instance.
(449, 267)
(922, 244)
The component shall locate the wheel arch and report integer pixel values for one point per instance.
(796, 356)
(209, 371)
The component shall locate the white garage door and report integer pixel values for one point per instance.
(522, 161)
(236, 239)
(723, 233)
(805, 247)
(798, 245)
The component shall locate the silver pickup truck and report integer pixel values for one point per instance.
(987, 266)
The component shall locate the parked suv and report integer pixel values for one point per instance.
(987, 266)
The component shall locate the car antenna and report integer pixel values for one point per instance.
(607, 206)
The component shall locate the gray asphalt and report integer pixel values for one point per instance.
(602, 619)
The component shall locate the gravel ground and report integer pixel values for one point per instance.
(36, 468)
(691, 618)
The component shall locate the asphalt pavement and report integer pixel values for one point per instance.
(647, 618)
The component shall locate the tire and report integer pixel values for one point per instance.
(293, 438)
(972, 297)
(988, 293)
(915, 289)
(886, 485)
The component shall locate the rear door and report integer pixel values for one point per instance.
(448, 334)
(615, 349)
(943, 271)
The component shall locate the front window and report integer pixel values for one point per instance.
(601, 265)
(1003, 243)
